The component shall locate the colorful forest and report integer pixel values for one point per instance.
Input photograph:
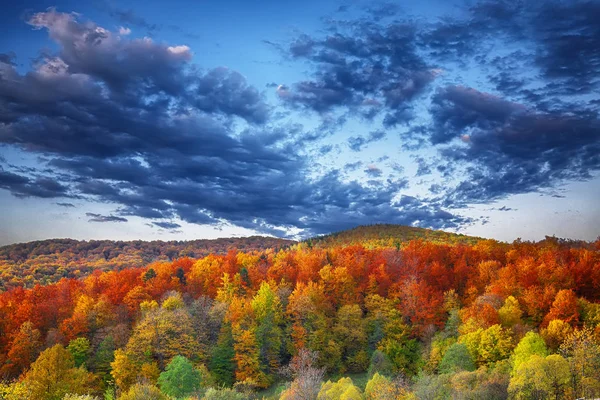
(354, 319)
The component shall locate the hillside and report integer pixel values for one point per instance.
(389, 235)
(422, 321)
(46, 261)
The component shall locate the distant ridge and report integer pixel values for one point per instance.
(388, 235)
(47, 261)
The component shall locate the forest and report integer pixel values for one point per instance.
(373, 313)
(47, 261)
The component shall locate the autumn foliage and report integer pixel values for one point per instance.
(241, 316)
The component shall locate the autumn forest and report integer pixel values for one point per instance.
(379, 312)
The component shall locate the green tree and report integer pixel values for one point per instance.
(269, 317)
(80, 349)
(180, 378)
(496, 344)
(104, 355)
(457, 358)
(531, 344)
(222, 364)
(541, 378)
(349, 331)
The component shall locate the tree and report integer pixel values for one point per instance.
(23, 351)
(53, 375)
(496, 344)
(245, 344)
(80, 349)
(163, 333)
(180, 378)
(222, 364)
(531, 344)
(223, 394)
(456, 358)
(269, 317)
(541, 378)
(343, 389)
(143, 391)
(103, 356)
(349, 331)
(582, 350)
(123, 370)
(380, 387)
(149, 274)
(510, 313)
(564, 307)
(307, 377)
(556, 333)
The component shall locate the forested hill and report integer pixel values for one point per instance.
(46, 261)
(388, 235)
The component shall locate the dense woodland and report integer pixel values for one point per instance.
(356, 316)
(47, 261)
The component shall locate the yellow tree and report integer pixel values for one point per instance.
(243, 328)
(53, 375)
(163, 333)
(510, 313)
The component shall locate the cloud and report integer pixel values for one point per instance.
(362, 66)
(104, 218)
(356, 143)
(512, 149)
(373, 171)
(167, 225)
(22, 186)
(66, 205)
(134, 123)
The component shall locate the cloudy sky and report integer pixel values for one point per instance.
(187, 119)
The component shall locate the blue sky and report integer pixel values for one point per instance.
(147, 120)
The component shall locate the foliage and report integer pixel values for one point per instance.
(180, 378)
(531, 344)
(431, 318)
(141, 391)
(343, 389)
(53, 375)
(456, 358)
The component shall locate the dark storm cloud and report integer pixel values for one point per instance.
(104, 218)
(363, 66)
(132, 123)
(508, 148)
(561, 39)
(23, 186)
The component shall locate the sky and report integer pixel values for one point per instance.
(194, 119)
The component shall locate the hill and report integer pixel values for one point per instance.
(46, 261)
(389, 235)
